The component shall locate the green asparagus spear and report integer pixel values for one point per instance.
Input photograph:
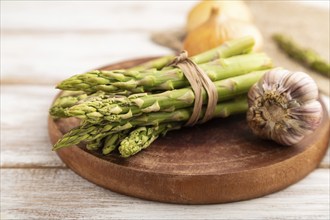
(66, 100)
(89, 132)
(228, 49)
(69, 98)
(112, 141)
(306, 56)
(114, 81)
(142, 137)
(117, 109)
(170, 78)
(112, 117)
(158, 63)
(94, 144)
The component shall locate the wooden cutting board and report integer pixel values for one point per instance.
(217, 162)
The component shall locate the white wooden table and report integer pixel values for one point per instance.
(44, 42)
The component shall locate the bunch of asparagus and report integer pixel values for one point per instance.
(126, 110)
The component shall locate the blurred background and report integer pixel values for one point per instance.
(60, 38)
(44, 42)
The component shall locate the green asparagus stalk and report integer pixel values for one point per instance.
(66, 100)
(158, 63)
(88, 132)
(107, 143)
(94, 145)
(114, 81)
(307, 57)
(117, 113)
(134, 81)
(117, 109)
(140, 81)
(69, 98)
(111, 142)
(142, 137)
(131, 142)
(228, 49)
(216, 70)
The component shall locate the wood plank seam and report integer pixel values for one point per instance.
(13, 31)
(34, 167)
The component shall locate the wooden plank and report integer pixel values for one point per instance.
(54, 16)
(50, 58)
(61, 194)
(24, 137)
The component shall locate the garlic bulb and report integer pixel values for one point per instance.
(283, 106)
(237, 10)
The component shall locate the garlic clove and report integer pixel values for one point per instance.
(283, 106)
(309, 113)
(304, 89)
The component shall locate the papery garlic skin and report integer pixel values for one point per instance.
(283, 106)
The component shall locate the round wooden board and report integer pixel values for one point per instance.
(217, 162)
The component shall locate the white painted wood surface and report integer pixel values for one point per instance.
(60, 194)
(44, 42)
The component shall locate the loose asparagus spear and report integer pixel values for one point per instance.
(308, 57)
(89, 132)
(117, 109)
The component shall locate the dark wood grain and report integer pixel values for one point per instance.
(220, 161)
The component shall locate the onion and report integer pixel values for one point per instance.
(237, 10)
(214, 32)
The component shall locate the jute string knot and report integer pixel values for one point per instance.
(198, 80)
